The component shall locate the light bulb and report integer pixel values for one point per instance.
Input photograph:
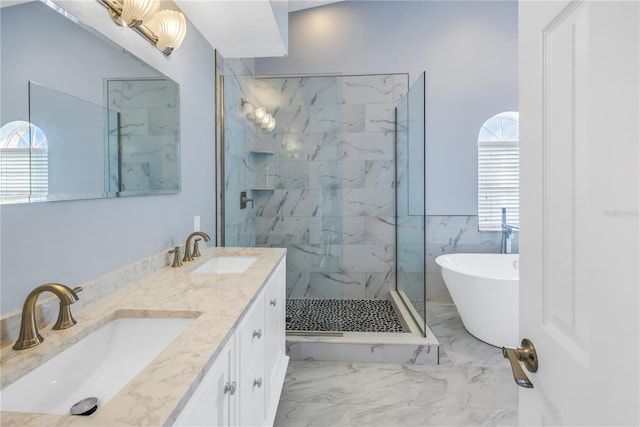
(259, 114)
(270, 126)
(170, 27)
(247, 109)
(136, 12)
(265, 121)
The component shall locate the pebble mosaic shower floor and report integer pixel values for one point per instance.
(334, 315)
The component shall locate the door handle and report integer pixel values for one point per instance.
(525, 354)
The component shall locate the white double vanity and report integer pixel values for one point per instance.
(243, 385)
(225, 366)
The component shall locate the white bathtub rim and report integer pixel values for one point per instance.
(446, 261)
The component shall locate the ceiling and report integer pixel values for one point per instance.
(245, 28)
(5, 3)
(295, 5)
(239, 28)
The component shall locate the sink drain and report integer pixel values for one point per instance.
(86, 406)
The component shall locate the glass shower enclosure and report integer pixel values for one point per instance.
(321, 183)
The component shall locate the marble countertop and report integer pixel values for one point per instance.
(157, 394)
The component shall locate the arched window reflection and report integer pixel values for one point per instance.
(24, 162)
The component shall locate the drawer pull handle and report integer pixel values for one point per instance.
(257, 382)
(257, 333)
(273, 302)
(230, 388)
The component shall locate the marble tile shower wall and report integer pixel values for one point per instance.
(455, 234)
(144, 104)
(239, 170)
(332, 172)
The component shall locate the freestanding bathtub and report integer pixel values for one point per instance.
(484, 288)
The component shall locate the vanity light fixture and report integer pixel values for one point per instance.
(259, 116)
(165, 29)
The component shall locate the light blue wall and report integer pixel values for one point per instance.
(72, 242)
(467, 48)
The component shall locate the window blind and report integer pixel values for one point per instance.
(23, 173)
(498, 184)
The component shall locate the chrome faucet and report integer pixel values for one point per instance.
(29, 336)
(189, 254)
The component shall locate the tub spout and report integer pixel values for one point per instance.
(507, 231)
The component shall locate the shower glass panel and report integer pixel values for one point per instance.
(410, 205)
(239, 170)
(322, 181)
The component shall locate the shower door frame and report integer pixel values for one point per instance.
(419, 318)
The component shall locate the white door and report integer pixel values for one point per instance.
(579, 250)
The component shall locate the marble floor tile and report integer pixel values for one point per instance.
(297, 413)
(472, 386)
(406, 415)
(355, 383)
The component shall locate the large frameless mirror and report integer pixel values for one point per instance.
(81, 118)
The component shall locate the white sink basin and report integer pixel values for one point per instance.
(226, 264)
(97, 366)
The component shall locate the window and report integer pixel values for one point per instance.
(498, 171)
(24, 163)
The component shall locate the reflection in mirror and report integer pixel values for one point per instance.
(144, 135)
(23, 147)
(74, 164)
(59, 141)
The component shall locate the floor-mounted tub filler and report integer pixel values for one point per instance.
(484, 288)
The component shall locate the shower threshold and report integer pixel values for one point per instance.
(314, 334)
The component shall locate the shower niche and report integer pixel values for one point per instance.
(264, 168)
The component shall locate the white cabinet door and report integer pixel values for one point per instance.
(276, 316)
(252, 338)
(210, 404)
(276, 319)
